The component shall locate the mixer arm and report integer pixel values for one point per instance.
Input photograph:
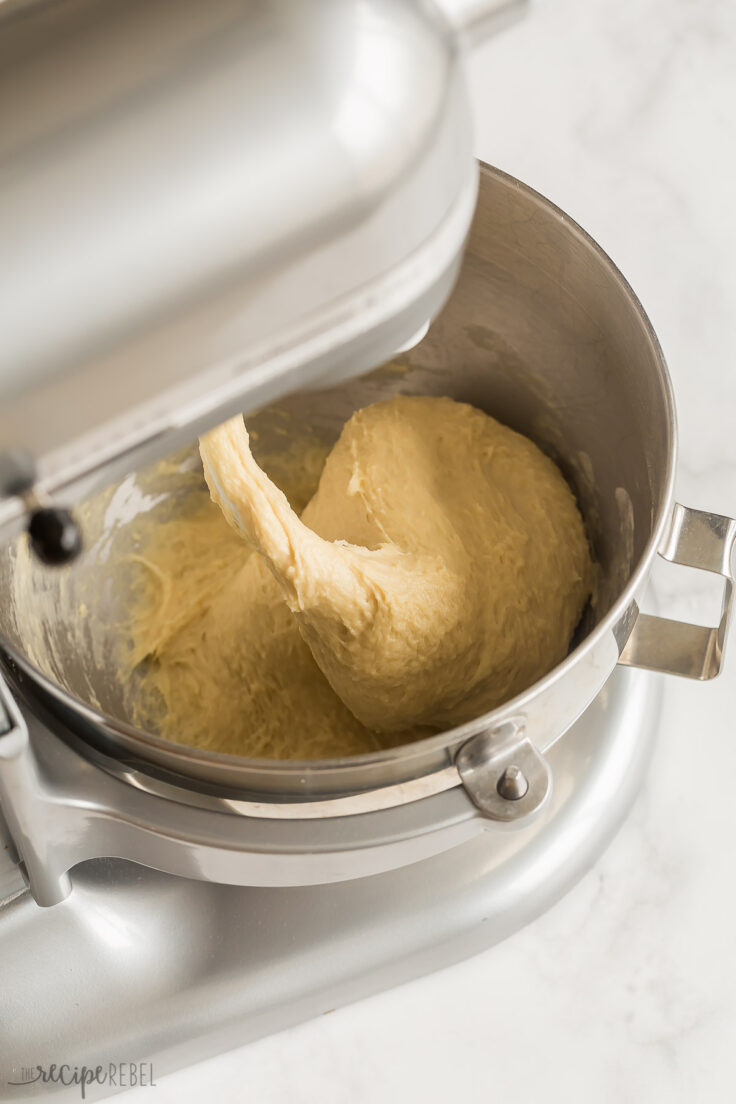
(197, 218)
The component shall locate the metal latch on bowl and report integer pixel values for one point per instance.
(503, 773)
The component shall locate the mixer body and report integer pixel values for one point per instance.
(169, 970)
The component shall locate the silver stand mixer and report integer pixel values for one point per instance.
(223, 208)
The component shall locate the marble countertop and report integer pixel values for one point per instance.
(624, 113)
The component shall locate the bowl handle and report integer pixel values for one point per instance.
(695, 539)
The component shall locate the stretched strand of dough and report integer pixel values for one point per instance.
(315, 575)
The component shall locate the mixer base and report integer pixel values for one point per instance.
(139, 966)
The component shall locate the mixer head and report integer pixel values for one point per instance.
(206, 206)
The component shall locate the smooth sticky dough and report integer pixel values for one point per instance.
(439, 570)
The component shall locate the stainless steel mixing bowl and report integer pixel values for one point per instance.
(541, 331)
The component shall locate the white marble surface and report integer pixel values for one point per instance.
(624, 113)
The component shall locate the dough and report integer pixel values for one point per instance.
(216, 658)
(439, 570)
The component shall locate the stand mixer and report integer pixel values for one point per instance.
(239, 207)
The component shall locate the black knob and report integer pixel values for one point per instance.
(55, 536)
